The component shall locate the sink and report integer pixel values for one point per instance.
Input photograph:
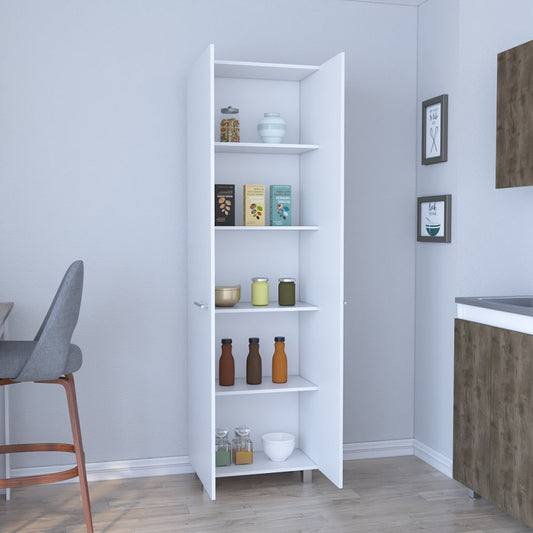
(522, 305)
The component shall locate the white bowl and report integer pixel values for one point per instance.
(278, 446)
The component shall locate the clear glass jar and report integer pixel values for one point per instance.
(259, 291)
(243, 448)
(222, 448)
(229, 125)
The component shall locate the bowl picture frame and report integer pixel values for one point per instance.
(434, 218)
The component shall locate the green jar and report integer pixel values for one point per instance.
(259, 291)
(222, 448)
(287, 291)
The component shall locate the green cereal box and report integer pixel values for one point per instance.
(254, 205)
(280, 205)
(224, 205)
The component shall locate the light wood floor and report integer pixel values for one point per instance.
(400, 495)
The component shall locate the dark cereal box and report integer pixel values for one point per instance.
(224, 205)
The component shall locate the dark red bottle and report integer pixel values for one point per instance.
(226, 365)
(253, 363)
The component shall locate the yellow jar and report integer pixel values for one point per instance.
(259, 291)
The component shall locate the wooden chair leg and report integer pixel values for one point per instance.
(68, 383)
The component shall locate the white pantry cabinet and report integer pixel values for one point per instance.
(311, 160)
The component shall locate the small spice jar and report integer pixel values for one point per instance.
(287, 291)
(243, 448)
(259, 291)
(222, 448)
(229, 125)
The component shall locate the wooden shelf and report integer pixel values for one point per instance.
(262, 71)
(263, 465)
(247, 307)
(264, 148)
(266, 228)
(294, 384)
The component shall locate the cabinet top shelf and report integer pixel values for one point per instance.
(274, 307)
(263, 148)
(266, 228)
(262, 71)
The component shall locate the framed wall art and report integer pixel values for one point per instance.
(434, 219)
(435, 130)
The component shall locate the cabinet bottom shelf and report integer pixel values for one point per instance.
(263, 465)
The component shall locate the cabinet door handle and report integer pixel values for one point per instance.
(201, 305)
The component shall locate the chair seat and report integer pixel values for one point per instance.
(14, 354)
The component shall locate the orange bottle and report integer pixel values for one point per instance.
(279, 361)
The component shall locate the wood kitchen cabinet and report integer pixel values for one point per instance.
(493, 416)
(514, 131)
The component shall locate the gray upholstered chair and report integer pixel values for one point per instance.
(51, 358)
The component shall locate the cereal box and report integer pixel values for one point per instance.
(254, 205)
(224, 205)
(280, 205)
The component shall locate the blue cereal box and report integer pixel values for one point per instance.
(280, 205)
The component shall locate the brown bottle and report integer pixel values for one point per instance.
(253, 363)
(226, 365)
(279, 361)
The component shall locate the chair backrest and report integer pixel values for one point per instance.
(49, 356)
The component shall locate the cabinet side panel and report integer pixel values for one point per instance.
(200, 251)
(321, 266)
(512, 424)
(471, 421)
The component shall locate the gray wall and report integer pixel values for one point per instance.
(492, 229)
(92, 166)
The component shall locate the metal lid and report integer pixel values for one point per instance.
(259, 279)
(279, 339)
(287, 280)
(229, 110)
(226, 341)
(253, 340)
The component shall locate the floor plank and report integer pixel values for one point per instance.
(400, 495)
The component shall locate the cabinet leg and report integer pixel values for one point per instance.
(307, 476)
(473, 495)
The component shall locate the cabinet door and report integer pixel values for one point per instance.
(471, 418)
(200, 281)
(511, 456)
(493, 416)
(321, 266)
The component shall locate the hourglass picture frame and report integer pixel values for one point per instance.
(435, 130)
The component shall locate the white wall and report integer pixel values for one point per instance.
(92, 166)
(438, 54)
(458, 45)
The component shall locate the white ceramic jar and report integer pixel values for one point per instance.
(272, 128)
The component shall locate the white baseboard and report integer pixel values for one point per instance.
(434, 458)
(163, 466)
(166, 466)
(397, 448)
(374, 450)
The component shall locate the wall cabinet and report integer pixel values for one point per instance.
(493, 416)
(311, 160)
(514, 131)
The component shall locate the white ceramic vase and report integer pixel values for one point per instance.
(272, 128)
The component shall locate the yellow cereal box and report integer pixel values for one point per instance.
(254, 205)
